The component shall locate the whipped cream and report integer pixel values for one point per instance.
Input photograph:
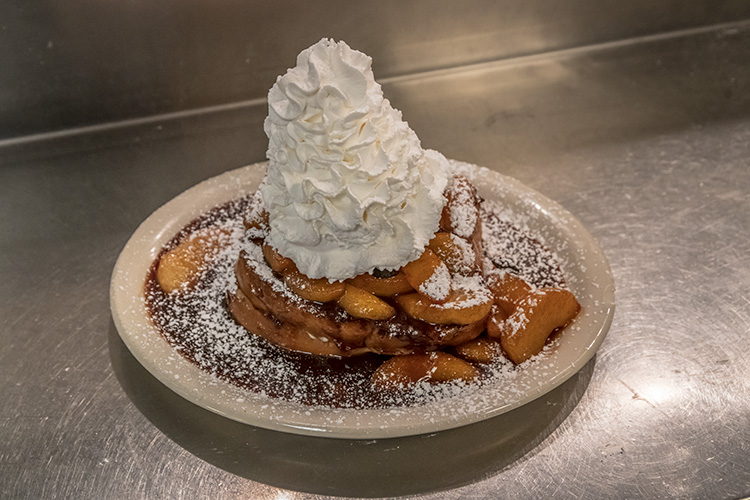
(349, 188)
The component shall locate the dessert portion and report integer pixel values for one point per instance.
(349, 253)
(359, 250)
(439, 299)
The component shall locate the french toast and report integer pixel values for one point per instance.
(399, 313)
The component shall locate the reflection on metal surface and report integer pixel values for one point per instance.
(657, 393)
(283, 495)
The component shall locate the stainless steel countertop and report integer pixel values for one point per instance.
(646, 141)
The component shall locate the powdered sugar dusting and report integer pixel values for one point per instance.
(438, 285)
(473, 290)
(516, 322)
(199, 327)
(466, 257)
(464, 215)
(518, 250)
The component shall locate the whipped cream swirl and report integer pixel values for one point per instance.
(349, 188)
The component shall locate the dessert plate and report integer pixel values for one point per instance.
(585, 267)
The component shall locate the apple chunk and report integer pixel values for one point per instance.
(457, 253)
(429, 276)
(277, 262)
(383, 287)
(317, 290)
(181, 267)
(479, 350)
(523, 334)
(362, 304)
(508, 290)
(470, 301)
(434, 367)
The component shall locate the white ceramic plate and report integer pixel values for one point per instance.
(583, 262)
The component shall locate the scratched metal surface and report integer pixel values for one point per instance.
(648, 143)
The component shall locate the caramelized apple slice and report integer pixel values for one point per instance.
(457, 253)
(403, 371)
(539, 313)
(508, 290)
(479, 350)
(429, 275)
(383, 287)
(362, 304)
(275, 260)
(181, 267)
(470, 301)
(318, 290)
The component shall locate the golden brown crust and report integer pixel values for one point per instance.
(282, 334)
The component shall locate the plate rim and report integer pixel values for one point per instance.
(180, 375)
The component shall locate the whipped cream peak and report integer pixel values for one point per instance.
(349, 188)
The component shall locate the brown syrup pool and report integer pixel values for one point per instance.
(198, 325)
